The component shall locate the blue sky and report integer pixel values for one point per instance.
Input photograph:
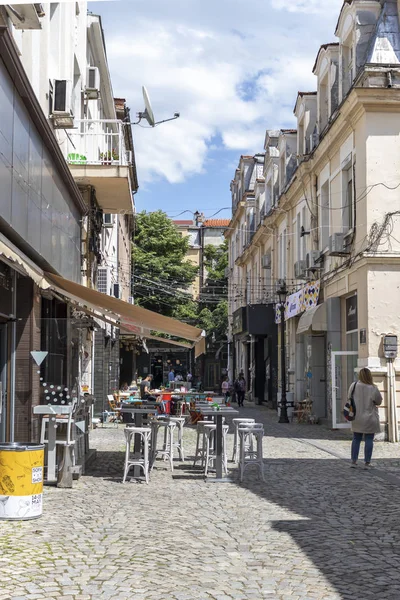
(232, 68)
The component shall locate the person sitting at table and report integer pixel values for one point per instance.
(125, 387)
(178, 377)
(145, 389)
(133, 387)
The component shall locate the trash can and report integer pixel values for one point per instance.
(21, 480)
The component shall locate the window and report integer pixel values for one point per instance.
(102, 278)
(325, 208)
(323, 104)
(298, 238)
(347, 66)
(347, 197)
(304, 238)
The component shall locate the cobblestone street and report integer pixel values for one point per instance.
(315, 529)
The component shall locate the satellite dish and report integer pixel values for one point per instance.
(148, 113)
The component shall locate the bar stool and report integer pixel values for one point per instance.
(236, 423)
(209, 433)
(249, 456)
(180, 421)
(167, 450)
(131, 460)
(200, 453)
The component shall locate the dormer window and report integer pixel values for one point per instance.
(323, 103)
(347, 66)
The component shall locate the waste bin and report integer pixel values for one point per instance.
(21, 480)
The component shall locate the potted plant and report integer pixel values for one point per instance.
(107, 158)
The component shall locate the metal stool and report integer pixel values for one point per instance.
(249, 456)
(236, 423)
(180, 421)
(134, 460)
(167, 450)
(209, 433)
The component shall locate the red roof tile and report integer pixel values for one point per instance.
(216, 223)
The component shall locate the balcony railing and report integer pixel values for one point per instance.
(98, 142)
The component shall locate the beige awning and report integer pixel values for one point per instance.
(200, 347)
(314, 319)
(137, 318)
(22, 263)
(126, 331)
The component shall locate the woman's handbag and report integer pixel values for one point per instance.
(349, 410)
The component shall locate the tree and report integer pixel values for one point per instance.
(213, 317)
(162, 274)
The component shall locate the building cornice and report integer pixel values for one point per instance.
(20, 79)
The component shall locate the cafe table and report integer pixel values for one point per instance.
(138, 421)
(218, 416)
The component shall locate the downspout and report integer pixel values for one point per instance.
(13, 357)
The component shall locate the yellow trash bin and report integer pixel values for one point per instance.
(21, 480)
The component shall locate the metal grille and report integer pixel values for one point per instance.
(102, 280)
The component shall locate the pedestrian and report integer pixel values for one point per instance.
(171, 375)
(367, 398)
(226, 390)
(240, 388)
(189, 377)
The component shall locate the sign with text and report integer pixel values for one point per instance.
(351, 313)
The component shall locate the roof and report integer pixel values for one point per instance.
(323, 47)
(190, 222)
(289, 130)
(217, 223)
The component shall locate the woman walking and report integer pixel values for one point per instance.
(367, 398)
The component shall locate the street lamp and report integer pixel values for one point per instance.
(282, 293)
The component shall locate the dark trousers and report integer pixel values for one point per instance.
(240, 398)
(368, 446)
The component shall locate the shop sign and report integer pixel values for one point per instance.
(237, 321)
(363, 336)
(351, 314)
(299, 302)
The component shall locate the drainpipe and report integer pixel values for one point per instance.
(13, 357)
(393, 431)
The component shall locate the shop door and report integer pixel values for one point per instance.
(344, 366)
(3, 382)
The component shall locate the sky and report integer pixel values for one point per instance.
(231, 68)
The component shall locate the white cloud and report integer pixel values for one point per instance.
(306, 6)
(231, 69)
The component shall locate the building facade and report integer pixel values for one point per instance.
(66, 205)
(330, 227)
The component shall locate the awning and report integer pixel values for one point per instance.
(22, 263)
(126, 330)
(314, 319)
(136, 317)
(200, 347)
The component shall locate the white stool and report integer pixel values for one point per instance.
(131, 460)
(200, 453)
(167, 450)
(248, 456)
(209, 433)
(236, 423)
(180, 421)
(69, 440)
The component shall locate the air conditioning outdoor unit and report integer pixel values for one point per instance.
(266, 261)
(337, 245)
(131, 300)
(62, 114)
(300, 269)
(92, 83)
(311, 259)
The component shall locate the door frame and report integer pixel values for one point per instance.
(336, 425)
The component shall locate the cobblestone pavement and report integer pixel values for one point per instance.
(315, 529)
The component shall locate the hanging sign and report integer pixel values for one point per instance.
(311, 295)
(38, 357)
(294, 305)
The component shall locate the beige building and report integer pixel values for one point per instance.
(201, 232)
(325, 218)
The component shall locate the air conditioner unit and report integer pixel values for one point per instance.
(311, 259)
(61, 113)
(92, 83)
(131, 300)
(337, 245)
(300, 269)
(266, 261)
(116, 290)
(108, 220)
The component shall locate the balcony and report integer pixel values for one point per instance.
(97, 156)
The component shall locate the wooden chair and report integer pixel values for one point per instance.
(303, 410)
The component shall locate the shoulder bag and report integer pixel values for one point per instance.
(349, 411)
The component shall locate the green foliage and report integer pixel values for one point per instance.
(214, 317)
(159, 255)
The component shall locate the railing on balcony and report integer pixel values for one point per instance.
(98, 142)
